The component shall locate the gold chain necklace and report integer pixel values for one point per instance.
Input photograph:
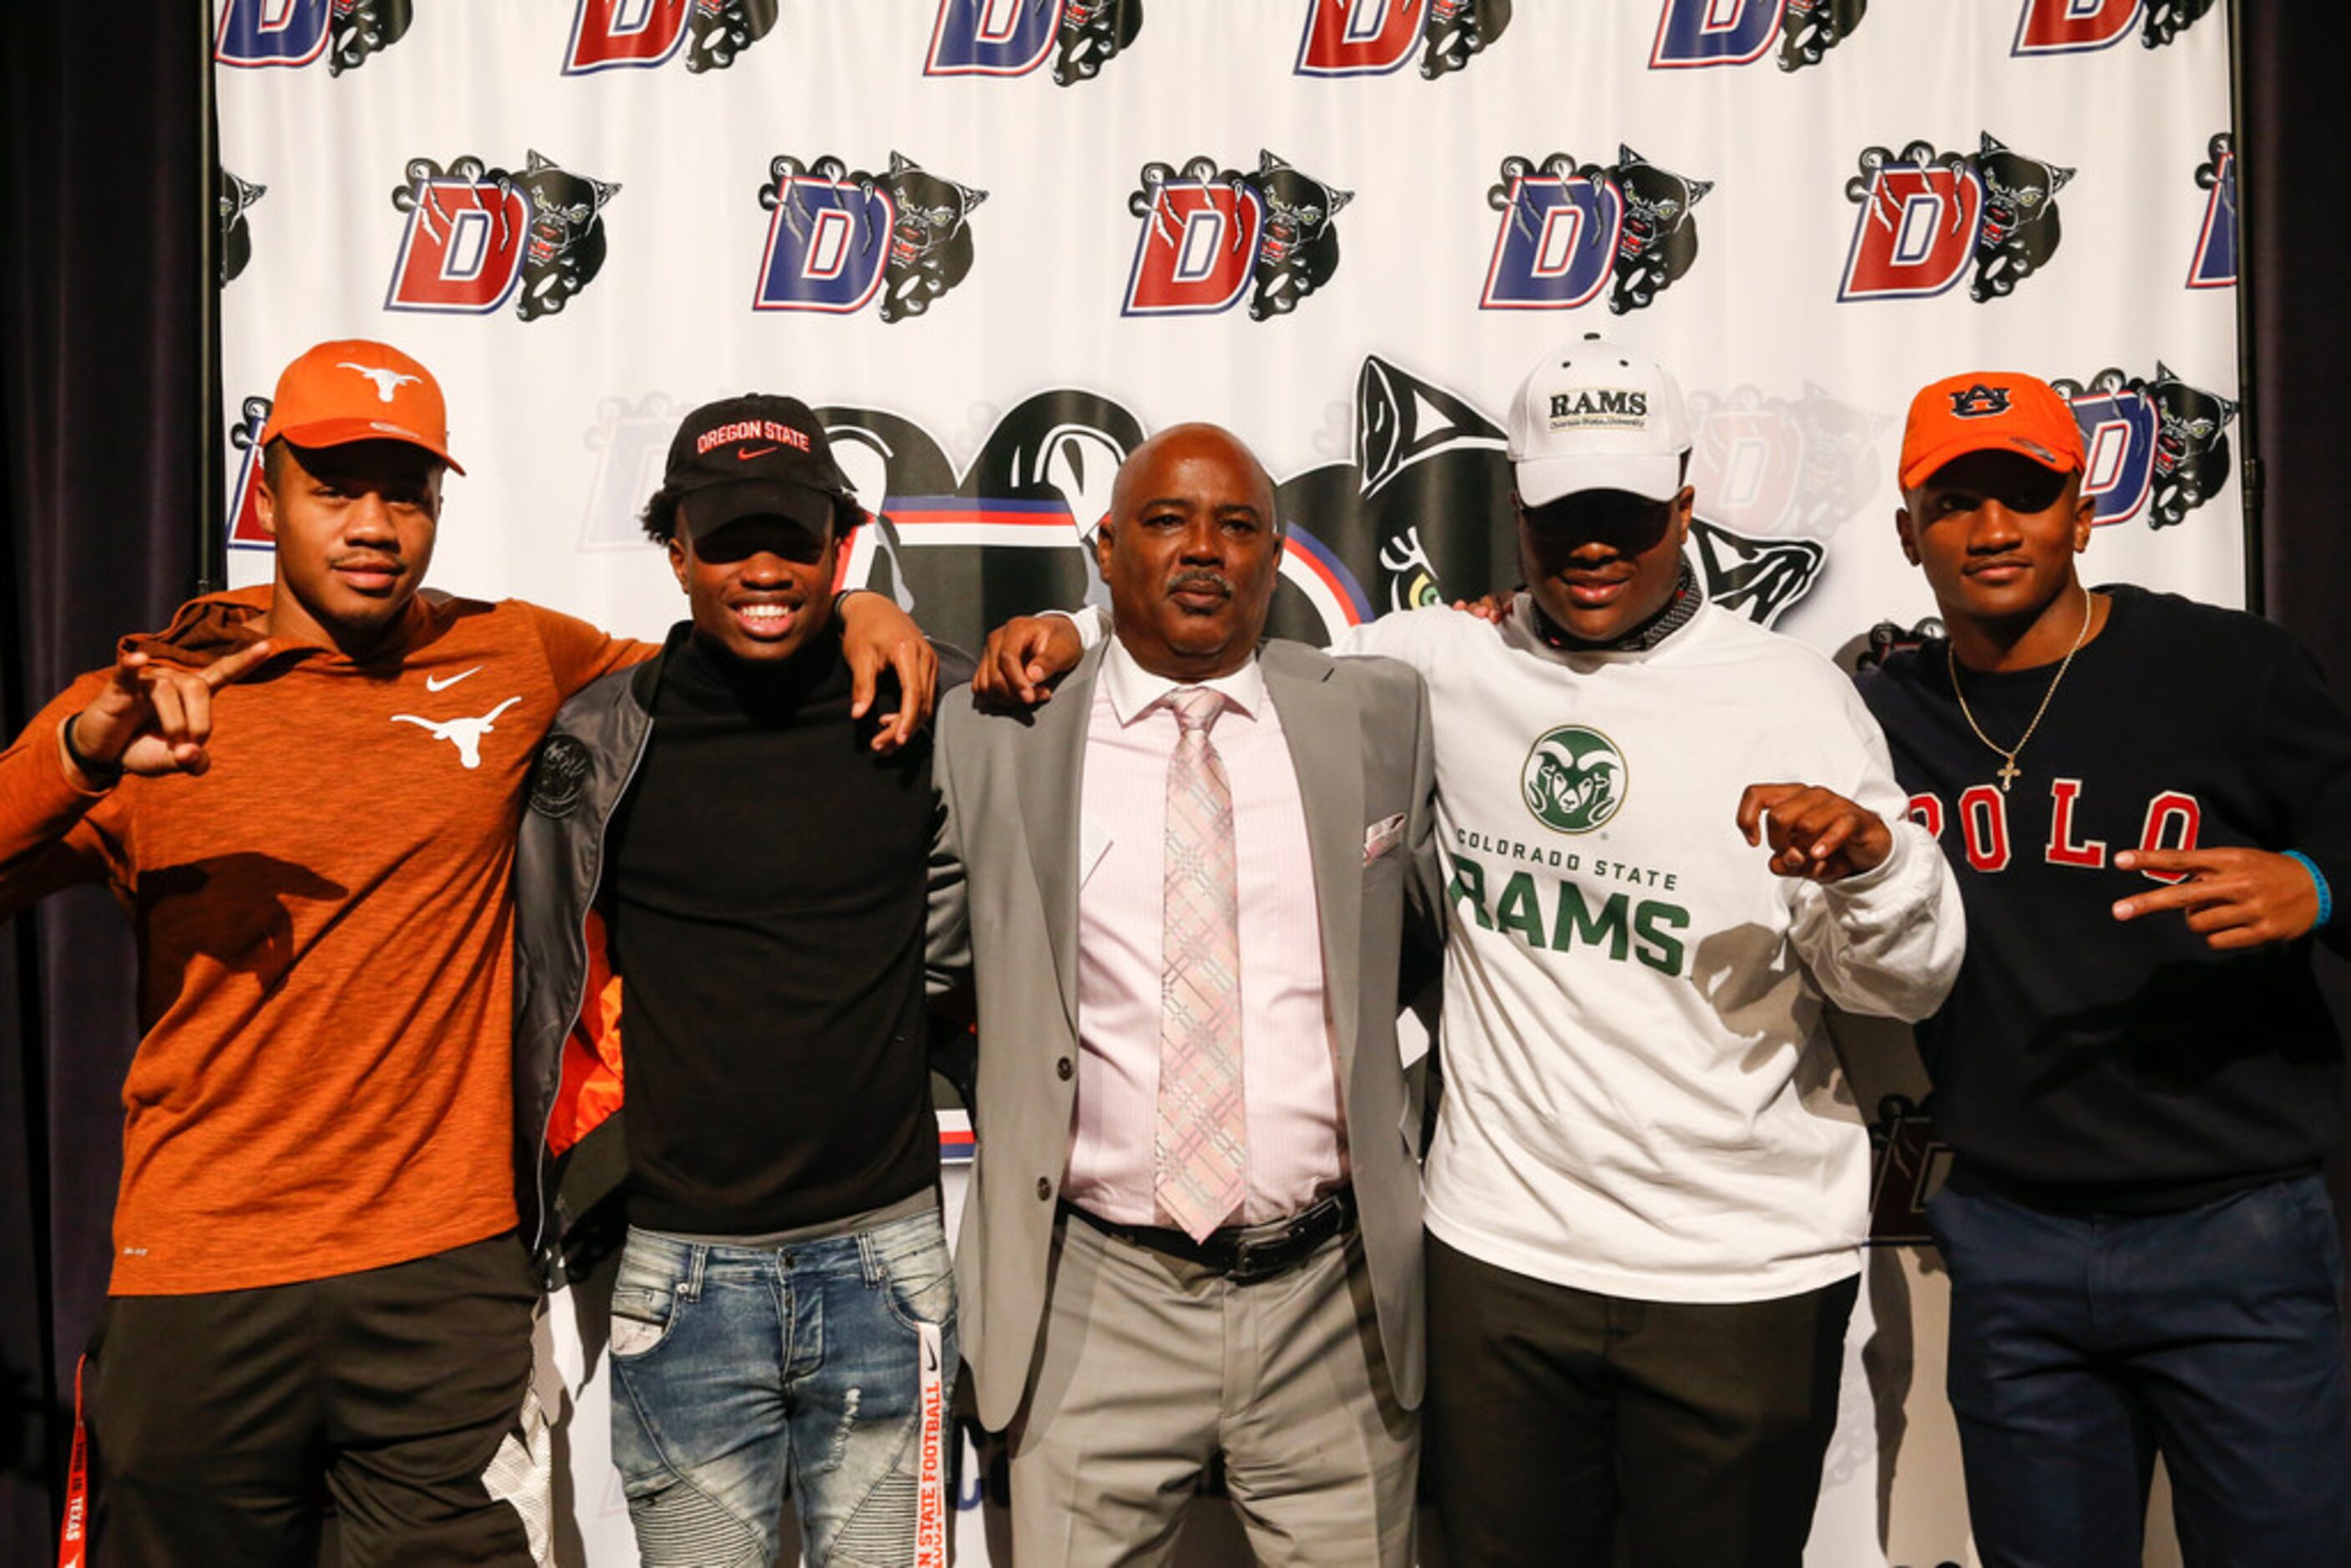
(2008, 769)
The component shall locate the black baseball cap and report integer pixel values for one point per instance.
(753, 456)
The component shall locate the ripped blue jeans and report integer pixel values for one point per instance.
(822, 1371)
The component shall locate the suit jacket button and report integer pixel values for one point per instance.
(1064, 1069)
(1044, 1188)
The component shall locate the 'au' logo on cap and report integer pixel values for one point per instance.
(1979, 401)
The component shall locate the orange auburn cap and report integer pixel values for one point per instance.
(1989, 411)
(353, 389)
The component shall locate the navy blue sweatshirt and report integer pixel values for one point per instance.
(2087, 1063)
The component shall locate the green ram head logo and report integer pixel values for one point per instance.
(1574, 779)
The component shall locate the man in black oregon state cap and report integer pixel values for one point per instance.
(751, 867)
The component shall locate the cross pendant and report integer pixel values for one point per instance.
(2008, 771)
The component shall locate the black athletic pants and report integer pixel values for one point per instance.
(1558, 1419)
(222, 1424)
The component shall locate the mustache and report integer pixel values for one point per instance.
(1200, 577)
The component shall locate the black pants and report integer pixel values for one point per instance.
(1558, 1420)
(222, 1424)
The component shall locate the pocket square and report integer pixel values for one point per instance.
(1383, 836)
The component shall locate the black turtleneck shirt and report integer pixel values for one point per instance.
(765, 890)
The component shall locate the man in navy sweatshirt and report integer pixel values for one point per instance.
(2148, 802)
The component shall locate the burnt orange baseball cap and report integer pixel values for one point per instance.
(1989, 411)
(354, 389)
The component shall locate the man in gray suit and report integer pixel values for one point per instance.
(1194, 1230)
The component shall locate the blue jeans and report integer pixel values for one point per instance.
(822, 1371)
(2082, 1345)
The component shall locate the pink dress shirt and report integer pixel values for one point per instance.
(1296, 1145)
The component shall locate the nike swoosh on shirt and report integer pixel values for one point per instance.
(443, 683)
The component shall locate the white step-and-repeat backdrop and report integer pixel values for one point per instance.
(997, 242)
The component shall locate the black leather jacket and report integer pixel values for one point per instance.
(582, 772)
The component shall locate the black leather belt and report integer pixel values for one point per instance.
(1242, 1253)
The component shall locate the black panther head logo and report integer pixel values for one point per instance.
(2166, 19)
(357, 29)
(1759, 578)
(1811, 28)
(1297, 250)
(2018, 231)
(236, 242)
(1454, 30)
(1841, 464)
(1091, 32)
(930, 241)
(2191, 454)
(721, 30)
(565, 249)
(1658, 240)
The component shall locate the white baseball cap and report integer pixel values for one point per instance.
(1595, 416)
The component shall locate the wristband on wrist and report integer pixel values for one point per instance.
(107, 775)
(2325, 895)
(843, 594)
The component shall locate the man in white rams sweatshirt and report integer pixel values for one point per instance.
(1670, 839)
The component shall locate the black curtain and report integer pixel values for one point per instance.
(103, 434)
(101, 414)
(2290, 103)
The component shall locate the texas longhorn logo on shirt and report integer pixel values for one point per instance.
(1574, 778)
(464, 734)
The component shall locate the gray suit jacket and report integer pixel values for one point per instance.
(1005, 899)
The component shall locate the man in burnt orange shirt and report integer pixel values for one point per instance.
(306, 795)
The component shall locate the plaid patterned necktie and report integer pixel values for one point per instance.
(1201, 1155)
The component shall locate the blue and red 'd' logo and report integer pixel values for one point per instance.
(1925, 217)
(837, 239)
(258, 33)
(2215, 264)
(477, 237)
(1374, 38)
(2078, 27)
(2152, 445)
(1693, 32)
(1774, 467)
(1013, 38)
(245, 529)
(1568, 229)
(1210, 233)
(609, 35)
